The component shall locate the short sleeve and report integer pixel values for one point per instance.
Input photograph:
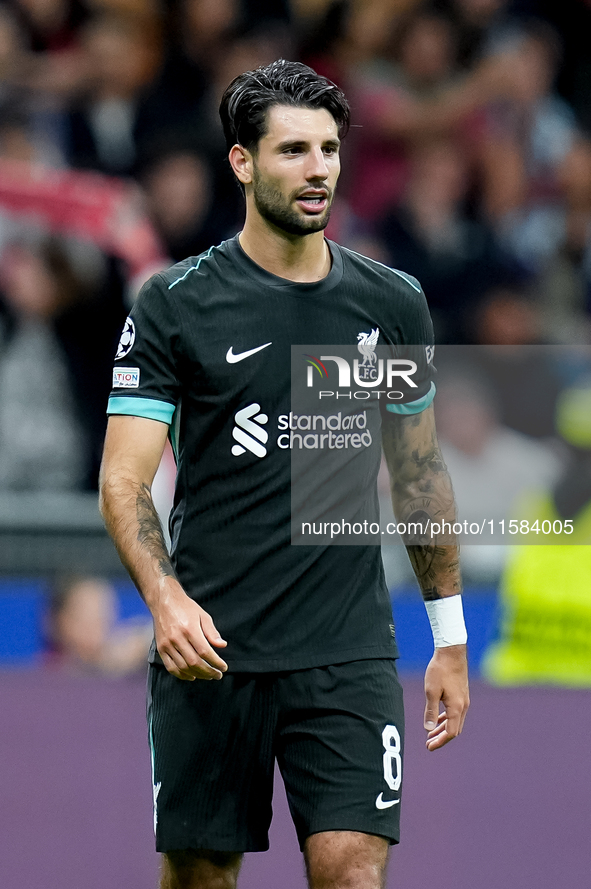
(418, 347)
(146, 370)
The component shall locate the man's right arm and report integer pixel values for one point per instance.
(184, 632)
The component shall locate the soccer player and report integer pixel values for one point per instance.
(299, 638)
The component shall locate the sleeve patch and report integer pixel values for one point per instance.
(127, 339)
(126, 377)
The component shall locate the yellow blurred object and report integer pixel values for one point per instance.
(573, 416)
(545, 635)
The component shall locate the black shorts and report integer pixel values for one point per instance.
(337, 733)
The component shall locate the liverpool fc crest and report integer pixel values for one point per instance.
(366, 343)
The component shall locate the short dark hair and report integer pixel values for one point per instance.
(246, 101)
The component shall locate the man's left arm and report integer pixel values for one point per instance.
(422, 494)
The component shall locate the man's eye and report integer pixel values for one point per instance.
(292, 151)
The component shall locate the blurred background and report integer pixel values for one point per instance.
(469, 166)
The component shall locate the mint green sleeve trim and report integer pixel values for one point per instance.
(141, 407)
(414, 407)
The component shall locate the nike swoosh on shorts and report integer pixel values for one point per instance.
(385, 804)
(232, 359)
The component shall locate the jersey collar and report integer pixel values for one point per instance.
(293, 288)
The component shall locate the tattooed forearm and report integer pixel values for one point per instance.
(437, 569)
(150, 533)
(421, 559)
(422, 496)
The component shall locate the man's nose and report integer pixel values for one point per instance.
(317, 167)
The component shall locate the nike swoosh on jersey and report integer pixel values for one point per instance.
(385, 804)
(232, 359)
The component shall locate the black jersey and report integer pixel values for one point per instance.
(207, 349)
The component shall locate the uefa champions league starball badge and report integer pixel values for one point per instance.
(127, 340)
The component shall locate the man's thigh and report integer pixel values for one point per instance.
(212, 760)
(344, 858)
(340, 746)
(200, 870)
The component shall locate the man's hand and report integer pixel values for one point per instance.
(184, 636)
(446, 681)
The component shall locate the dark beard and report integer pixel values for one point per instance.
(273, 207)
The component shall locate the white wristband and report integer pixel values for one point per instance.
(446, 617)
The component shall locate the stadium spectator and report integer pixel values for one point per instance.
(52, 25)
(54, 64)
(178, 112)
(413, 92)
(480, 25)
(389, 91)
(41, 435)
(200, 33)
(24, 108)
(566, 264)
(506, 316)
(179, 195)
(524, 370)
(530, 132)
(120, 60)
(12, 54)
(432, 237)
(552, 236)
(572, 20)
(84, 633)
(58, 331)
(491, 464)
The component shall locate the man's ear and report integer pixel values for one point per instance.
(241, 161)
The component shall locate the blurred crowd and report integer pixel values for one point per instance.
(468, 165)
